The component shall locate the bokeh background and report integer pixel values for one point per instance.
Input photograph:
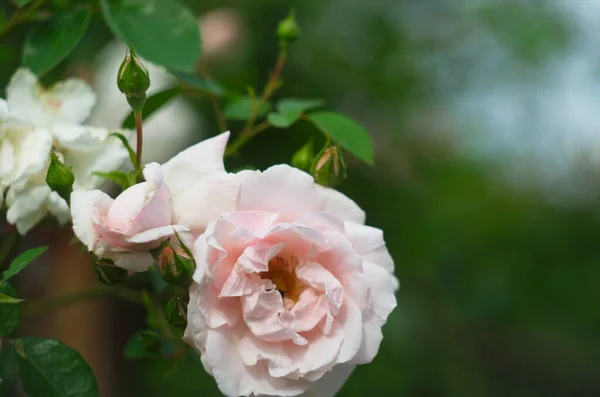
(485, 116)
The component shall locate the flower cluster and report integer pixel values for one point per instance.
(34, 122)
(290, 290)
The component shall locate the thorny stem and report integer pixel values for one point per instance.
(270, 88)
(19, 17)
(139, 140)
(36, 308)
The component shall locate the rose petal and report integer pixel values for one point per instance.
(151, 235)
(188, 167)
(234, 378)
(70, 101)
(280, 188)
(321, 279)
(86, 210)
(331, 383)
(204, 201)
(341, 206)
(133, 261)
(368, 242)
(143, 206)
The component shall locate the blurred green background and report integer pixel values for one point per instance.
(493, 226)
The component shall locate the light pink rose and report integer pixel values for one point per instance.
(193, 183)
(291, 289)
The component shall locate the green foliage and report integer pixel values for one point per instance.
(531, 32)
(303, 158)
(10, 315)
(242, 108)
(51, 41)
(289, 111)
(21, 3)
(49, 368)
(108, 273)
(348, 133)
(162, 31)
(8, 300)
(144, 344)
(153, 103)
(22, 261)
(200, 83)
(8, 368)
(121, 178)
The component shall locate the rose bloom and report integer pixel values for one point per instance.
(184, 195)
(291, 288)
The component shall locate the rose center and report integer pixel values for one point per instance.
(282, 272)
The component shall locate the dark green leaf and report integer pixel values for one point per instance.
(50, 42)
(162, 31)
(144, 344)
(10, 315)
(152, 104)
(125, 141)
(348, 133)
(8, 300)
(241, 108)
(119, 177)
(200, 83)
(49, 368)
(8, 369)
(22, 261)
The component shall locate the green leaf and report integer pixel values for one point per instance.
(203, 84)
(293, 105)
(137, 347)
(241, 108)
(147, 344)
(162, 31)
(125, 141)
(5, 299)
(51, 41)
(10, 315)
(152, 104)
(280, 121)
(22, 261)
(49, 368)
(121, 178)
(348, 133)
(8, 369)
(290, 110)
(21, 3)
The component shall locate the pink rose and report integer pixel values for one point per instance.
(291, 289)
(193, 183)
(124, 229)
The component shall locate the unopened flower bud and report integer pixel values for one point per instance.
(176, 311)
(175, 266)
(108, 273)
(303, 158)
(288, 30)
(133, 80)
(329, 168)
(60, 177)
